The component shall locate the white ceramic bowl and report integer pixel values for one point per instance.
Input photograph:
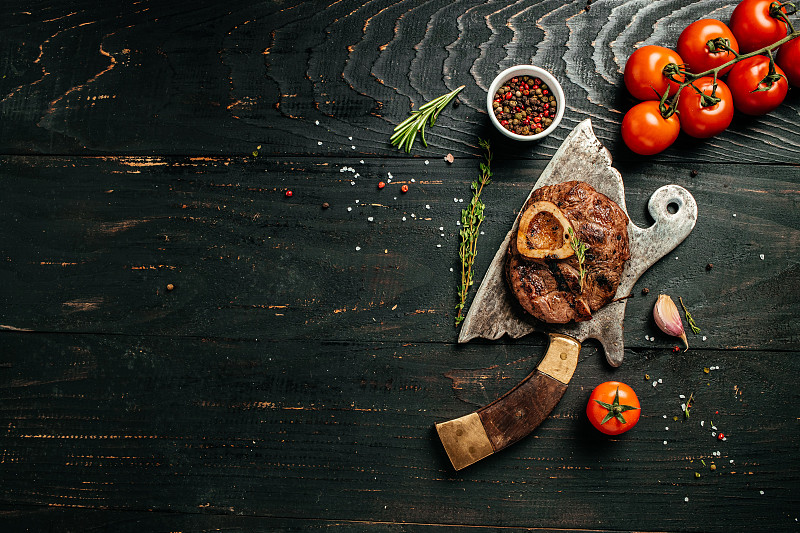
(526, 70)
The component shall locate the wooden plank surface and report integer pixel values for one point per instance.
(198, 78)
(290, 376)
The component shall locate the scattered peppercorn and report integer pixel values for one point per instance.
(524, 105)
(381, 185)
(170, 286)
(645, 291)
(693, 173)
(404, 188)
(709, 266)
(325, 205)
(456, 102)
(288, 194)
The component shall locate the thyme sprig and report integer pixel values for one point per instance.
(405, 133)
(689, 318)
(471, 219)
(579, 247)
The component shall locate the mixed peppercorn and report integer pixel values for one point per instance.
(524, 105)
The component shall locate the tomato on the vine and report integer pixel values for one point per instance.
(755, 90)
(754, 26)
(613, 408)
(788, 59)
(644, 72)
(708, 112)
(646, 131)
(694, 48)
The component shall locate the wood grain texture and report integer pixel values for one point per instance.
(124, 79)
(90, 245)
(519, 411)
(185, 348)
(344, 431)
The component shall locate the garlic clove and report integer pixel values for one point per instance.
(668, 319)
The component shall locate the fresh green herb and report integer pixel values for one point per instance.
(689, 318)
(471, 219)
(688, 405)
(406, 132)
(580, 252)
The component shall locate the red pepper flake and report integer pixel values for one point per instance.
(404, 188)
(676, 349)
(381, 185)
(288, 194)
(720, 436)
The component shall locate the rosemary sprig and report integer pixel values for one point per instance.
(579, 248)
(689, 318)
(406, 132)
(471, 219)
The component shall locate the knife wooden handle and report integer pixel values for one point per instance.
(514, 415)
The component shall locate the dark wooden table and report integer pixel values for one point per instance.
(291, 377)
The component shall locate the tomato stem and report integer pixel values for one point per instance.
(668, 109)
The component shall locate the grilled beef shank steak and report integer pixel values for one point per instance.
(548, 288)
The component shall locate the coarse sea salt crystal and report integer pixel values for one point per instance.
(427, 206)
(404, 219)
(370, 219)
(316, 122)
(458, 223)
(349, 208)
(761, 492)
(319, 143)
(441, 234)
(702, 423)
(358, 248)
(438, 245)
(665, 442)
(361, 161)
(356, 201)
(705, 338)
(350, 138)
(681, 396)
(441, 228)
(455, 200)
(352, 183)
(734, 214)
(686, 499)
(665, 416)
(647, 337)
(761, 256)
(666, 428)
(427, 162)
(451, 269)
(660, 380)
(655, 383)
(352, 147)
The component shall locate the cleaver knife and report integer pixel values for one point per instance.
(495, 312)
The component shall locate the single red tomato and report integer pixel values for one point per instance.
(646, 132)
(613, 408)
(754, 26)
(788, 59)
(644, 72)
(753, 92)
(700, 117)
(697, 40)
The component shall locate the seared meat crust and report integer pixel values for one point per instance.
(550, 289)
